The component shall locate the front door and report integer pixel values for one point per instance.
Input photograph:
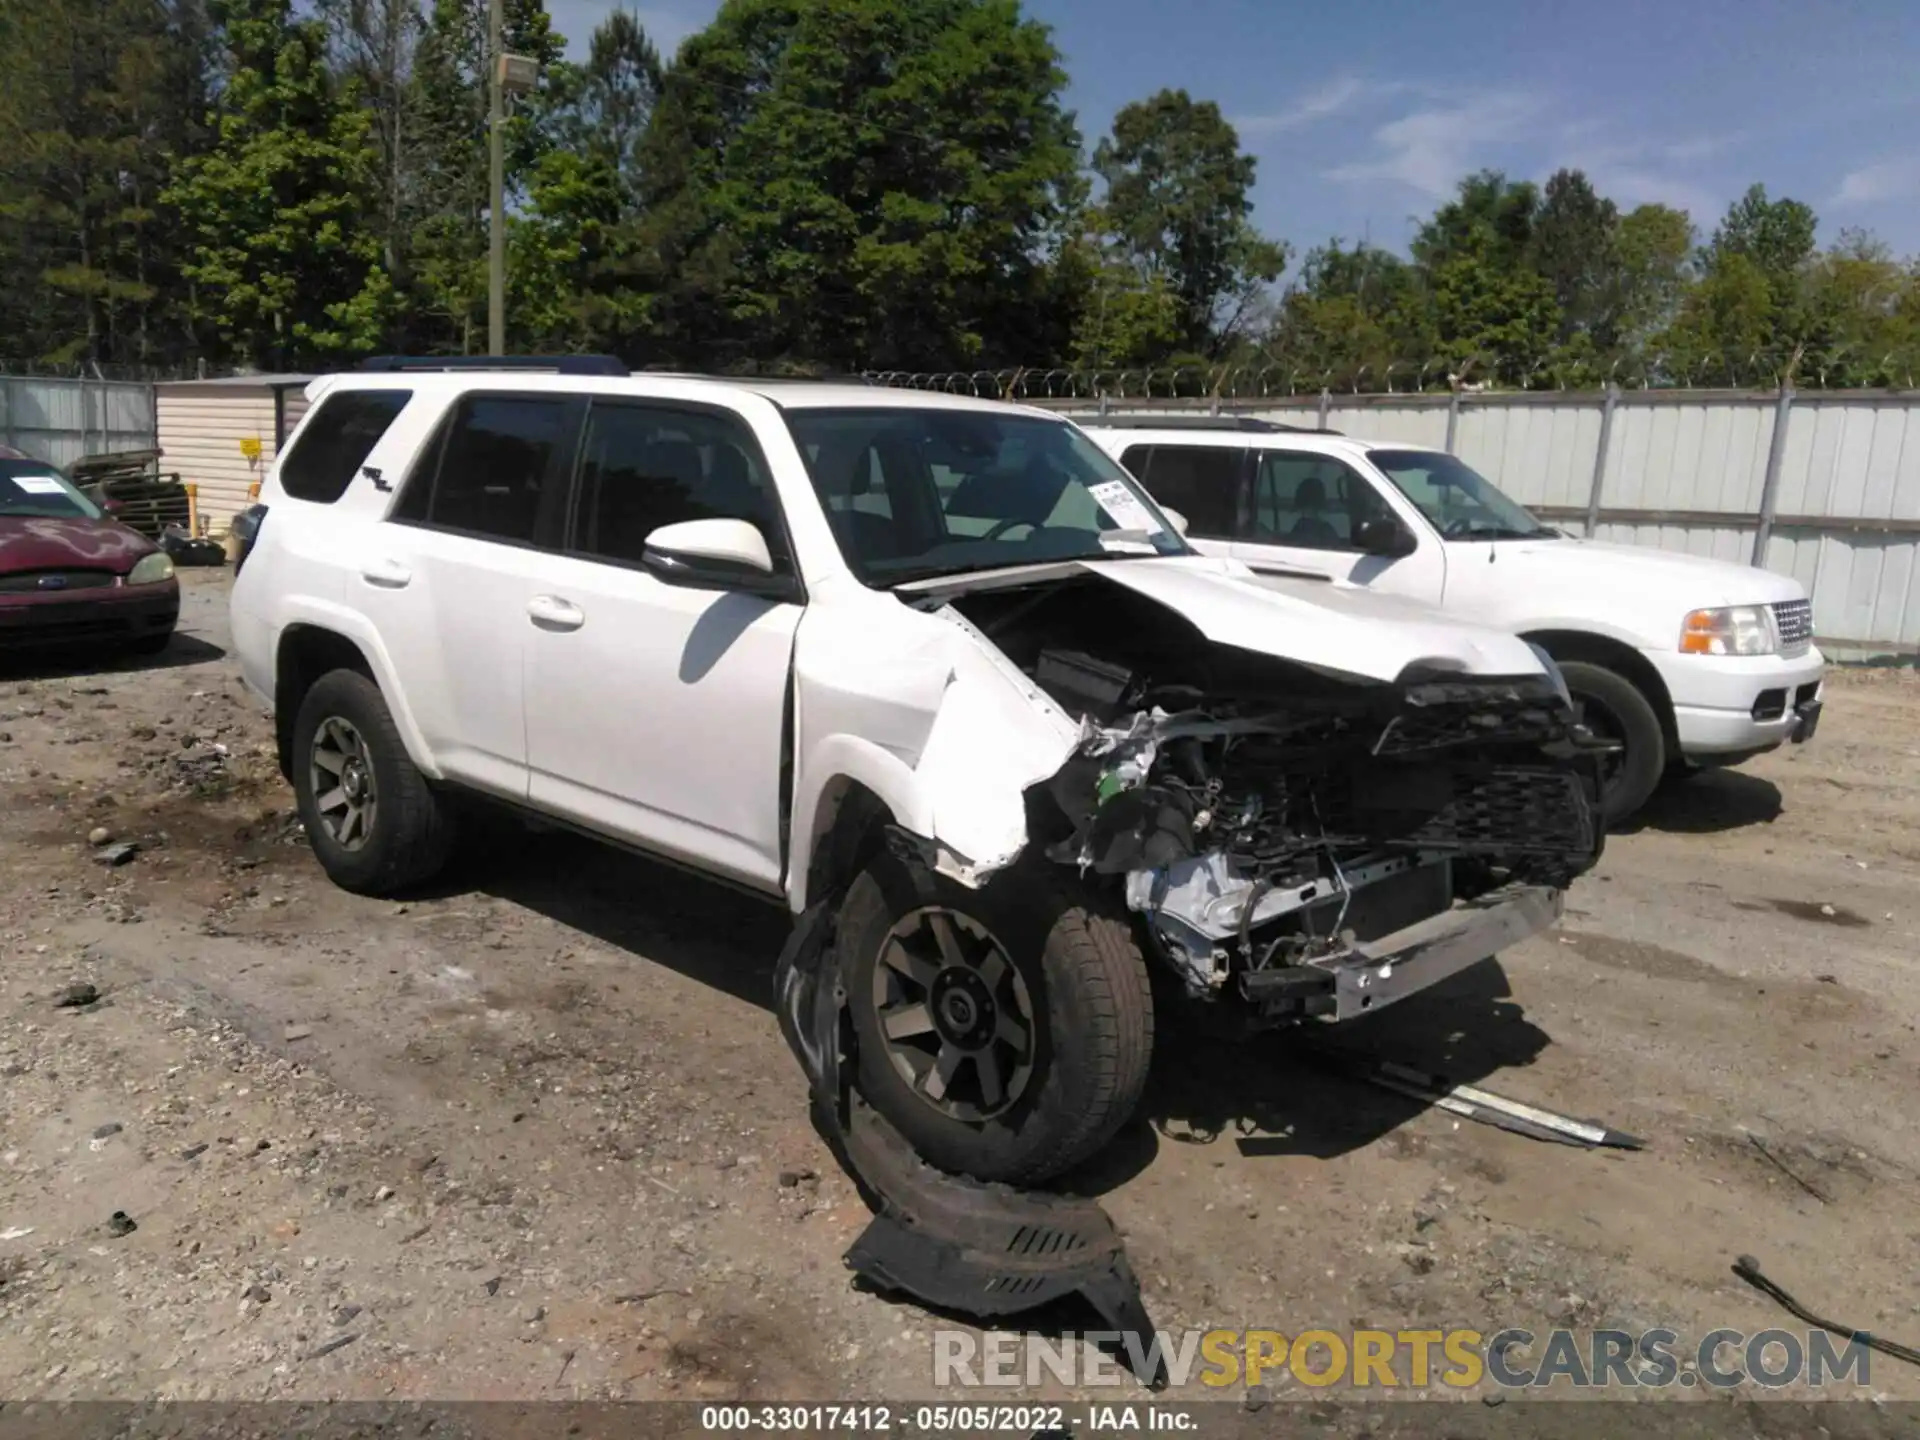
(1301, 517)
(655, 712)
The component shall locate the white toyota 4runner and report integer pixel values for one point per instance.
(1682, 662)
(934, 670)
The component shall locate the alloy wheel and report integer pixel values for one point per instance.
(340, 770)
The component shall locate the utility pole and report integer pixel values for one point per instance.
(496, 180)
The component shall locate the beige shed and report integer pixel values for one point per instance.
(220, 436)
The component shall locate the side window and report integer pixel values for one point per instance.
(1308, 501)
(494, 462)
(336, 442)
(644, 466)
(1202, 482)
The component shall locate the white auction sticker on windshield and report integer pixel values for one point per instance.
(1124, 507)
(39, 484)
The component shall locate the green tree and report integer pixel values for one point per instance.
(1356, 315)
(280, 247)
(1650, 275)
(99, 100)
(1178, 199)
(1490, 217)
(857, 182)
(1574, 248)
(1490, 316)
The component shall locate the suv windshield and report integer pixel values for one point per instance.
(913, 493)
(35, 489)
(1461, 503)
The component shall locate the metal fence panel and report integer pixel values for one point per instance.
(60, 420)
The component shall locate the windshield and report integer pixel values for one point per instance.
(34, 488)
(913, 494)
(1461, 503)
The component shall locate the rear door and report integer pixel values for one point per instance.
(657, 713)
(1303, 508)
(447, 578)
(1205, 483)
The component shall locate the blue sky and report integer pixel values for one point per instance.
(1364, 114)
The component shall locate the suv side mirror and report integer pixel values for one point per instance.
(1175, 519)
(1385, 536)
(712, 555)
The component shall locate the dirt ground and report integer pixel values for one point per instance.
(536, 1135)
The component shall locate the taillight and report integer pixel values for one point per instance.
(246, 528)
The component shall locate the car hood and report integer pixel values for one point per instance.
(44, 542)
(1330, 626)
(1605, 572)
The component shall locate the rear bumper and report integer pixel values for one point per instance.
(104, 616)
(1372, 975)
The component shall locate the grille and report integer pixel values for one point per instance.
(1515, 809)
(32, 582)
(1794, 620)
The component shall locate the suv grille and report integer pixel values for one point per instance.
(1794, 620)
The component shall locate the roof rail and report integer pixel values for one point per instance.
(1246, 423)
(553, 364)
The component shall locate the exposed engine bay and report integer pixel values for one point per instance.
(1267, 819)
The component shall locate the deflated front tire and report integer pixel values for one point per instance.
(1006, 1031)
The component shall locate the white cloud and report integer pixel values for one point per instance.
(1431, 150)
(1882, 180)
(1314, 106)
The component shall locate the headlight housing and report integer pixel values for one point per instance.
(1734, 630)
(151, 570)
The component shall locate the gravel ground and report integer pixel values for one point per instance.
(535, 1135)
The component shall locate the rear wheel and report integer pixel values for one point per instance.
(1006, 1031)
(374, 822)
(1614, 708)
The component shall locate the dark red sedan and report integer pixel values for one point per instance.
(70, 577)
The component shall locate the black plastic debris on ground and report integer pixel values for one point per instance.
(955, 1244)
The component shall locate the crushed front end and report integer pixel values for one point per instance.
(1315, 844)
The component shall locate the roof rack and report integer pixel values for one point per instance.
(552, 364)
(1198, 422)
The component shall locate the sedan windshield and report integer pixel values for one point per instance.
(917, 493)
(1461, 503)
(33, 488)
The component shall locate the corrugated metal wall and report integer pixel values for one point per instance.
(1685, 471)
(60, 420)
(201, 428)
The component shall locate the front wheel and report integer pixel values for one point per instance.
(374, 822)
(1614, 708)
(1005, 1031)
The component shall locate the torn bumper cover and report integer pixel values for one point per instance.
(949, 1242)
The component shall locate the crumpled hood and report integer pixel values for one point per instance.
(45, 542)
(1330, 626)
(1594, 567)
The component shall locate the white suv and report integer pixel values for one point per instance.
(1682, 662)
(934, 673)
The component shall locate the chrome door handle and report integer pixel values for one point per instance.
(387, 575)
(550, 612)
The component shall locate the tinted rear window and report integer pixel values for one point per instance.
(336, 442)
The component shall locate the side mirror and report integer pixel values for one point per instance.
(1175, 519)
(711, 555)
(1384, 536)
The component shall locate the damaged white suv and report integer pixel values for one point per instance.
(935, 673)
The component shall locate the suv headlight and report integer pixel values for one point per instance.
(1735, 630)
(151, 570)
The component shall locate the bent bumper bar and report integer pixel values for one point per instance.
(1371, 975)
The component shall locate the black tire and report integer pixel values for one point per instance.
(410, 832)
(1614, 707)
(1088, 995)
